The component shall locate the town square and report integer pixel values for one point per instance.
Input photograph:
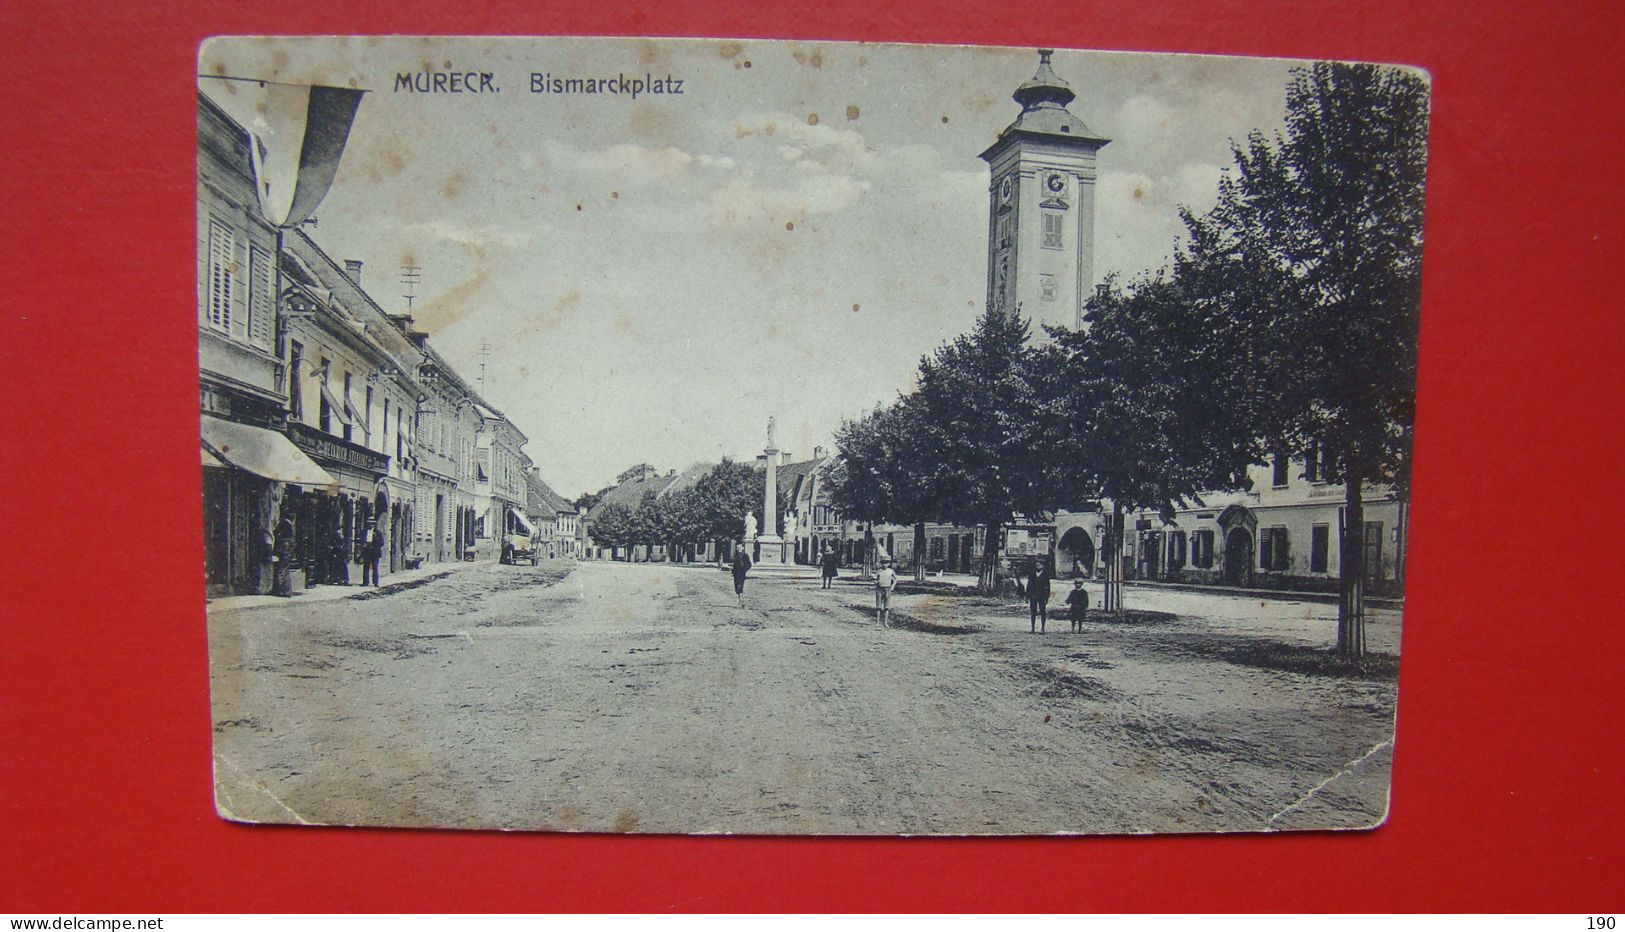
(820, 450)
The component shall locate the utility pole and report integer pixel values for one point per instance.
(485, 354)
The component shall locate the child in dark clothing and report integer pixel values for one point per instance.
(1077, 603)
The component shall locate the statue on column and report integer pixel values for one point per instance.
(772, 429)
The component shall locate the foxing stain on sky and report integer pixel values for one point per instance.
(787, 236)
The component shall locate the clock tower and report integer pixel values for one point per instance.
(1041, 207)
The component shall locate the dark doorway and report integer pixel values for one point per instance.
(1238, 555)
(1079, 552)
(1373, 551)
(1151, 555)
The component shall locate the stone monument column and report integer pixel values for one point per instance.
(769, 541)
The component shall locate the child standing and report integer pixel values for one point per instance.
(1077, 603)
(885, 582)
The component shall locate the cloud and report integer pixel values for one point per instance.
(748, 200)
(477, 237)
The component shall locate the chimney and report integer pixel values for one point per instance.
(352, 268)
(818, 453)
(784, 458)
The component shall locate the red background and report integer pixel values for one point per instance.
(1507, 788)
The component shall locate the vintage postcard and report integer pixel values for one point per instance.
(711, 436)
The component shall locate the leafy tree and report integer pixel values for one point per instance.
(1143, 408)
(613, 527)
(589, 499)
(724, 495)
(976, 430)
(1314, 251)
(879, 474)
(633, 472)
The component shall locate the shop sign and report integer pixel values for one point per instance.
(216, 403)
(325, 447)
(1028, 542)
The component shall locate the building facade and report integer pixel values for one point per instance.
(1285, 533)
(352, 407)
(248, 463)
(499, 488)
(447, 434)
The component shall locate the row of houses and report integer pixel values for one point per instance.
(322, 413)
(1286, 532)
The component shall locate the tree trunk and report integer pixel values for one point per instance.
(919, 551)
(989, 581)
(1351, 572)
(1112, 599)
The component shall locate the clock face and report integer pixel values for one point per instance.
(1056, 183)
(1004, 189)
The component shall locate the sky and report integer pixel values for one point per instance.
(654, 278)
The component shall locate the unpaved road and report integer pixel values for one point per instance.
(639, 698)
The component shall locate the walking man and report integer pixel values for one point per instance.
(1077, 603)
(741, 566)
(885, 582)
(829, 561)
(372, 547)
(1037, 597)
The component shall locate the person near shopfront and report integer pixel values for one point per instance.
(372, 547)
(282, 557)
(829, 561)
(339, 554)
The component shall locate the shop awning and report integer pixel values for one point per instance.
(525, 525)
(265, 453)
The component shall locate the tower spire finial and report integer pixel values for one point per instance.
(1046, 87)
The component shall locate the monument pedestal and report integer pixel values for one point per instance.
(771, 550)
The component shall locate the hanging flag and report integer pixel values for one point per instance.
(297, 145)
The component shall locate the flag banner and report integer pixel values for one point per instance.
(296, 153)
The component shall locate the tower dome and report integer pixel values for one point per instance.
(1045, 87)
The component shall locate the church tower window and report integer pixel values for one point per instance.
(1052, 229)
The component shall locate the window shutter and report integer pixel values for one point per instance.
(260, 299)
(221, 247)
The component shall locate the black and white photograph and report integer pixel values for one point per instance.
(765, 437)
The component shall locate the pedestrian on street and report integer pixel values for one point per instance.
(741, 566)
(829, 561)
(372, 547)
(885, 582)
(1077, 603)
(341, 558)
(1037, 596)
(282, 558)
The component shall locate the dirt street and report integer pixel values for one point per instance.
(615, 697)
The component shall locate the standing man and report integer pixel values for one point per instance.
(829, 561)
(341, 557)
(885, 582)
(741, 566)
(1038, 596)
(372, 547)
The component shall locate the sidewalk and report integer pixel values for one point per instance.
(1293, 595)
(329, 593)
